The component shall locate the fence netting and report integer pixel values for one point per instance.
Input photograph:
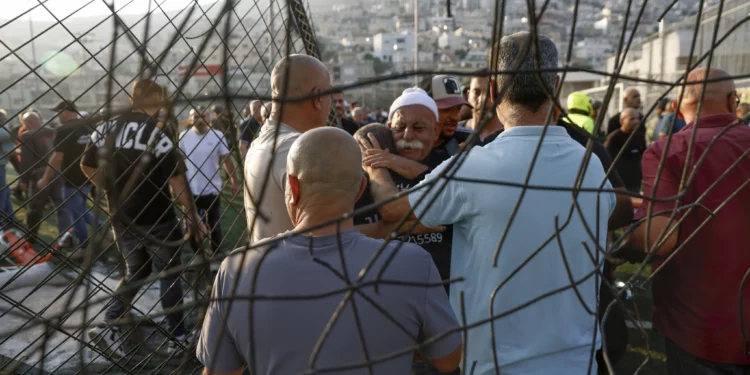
(60, 263)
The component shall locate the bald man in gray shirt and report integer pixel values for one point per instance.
(286, 335)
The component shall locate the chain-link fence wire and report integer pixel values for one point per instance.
(229, 67)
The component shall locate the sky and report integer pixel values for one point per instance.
(89, 8)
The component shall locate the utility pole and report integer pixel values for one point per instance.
(416, 41)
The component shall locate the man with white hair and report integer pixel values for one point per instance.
(37, 142)
(412, 123)
(264, 189)
(513, 245)
(360, 116)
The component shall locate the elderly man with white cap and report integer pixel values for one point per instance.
(412, 122)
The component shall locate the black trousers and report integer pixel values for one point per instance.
(209, 207)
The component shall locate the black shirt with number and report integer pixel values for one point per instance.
(437, 244)
(629, 163)
(149, 201)
(71, 139)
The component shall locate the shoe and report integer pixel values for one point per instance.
(183, 342)
(109, 340)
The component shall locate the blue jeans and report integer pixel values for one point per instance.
(6, 206)
(76, 206)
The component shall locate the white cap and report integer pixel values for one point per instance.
(413, 96)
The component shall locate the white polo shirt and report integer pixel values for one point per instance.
(268, 150)
(203, 153)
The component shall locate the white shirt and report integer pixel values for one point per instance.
(552, 335)
(268, 193)
(203, 153)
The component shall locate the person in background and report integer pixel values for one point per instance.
(478, 91)
(580, 111)
(446, 92)
(245, 113)
(632, 145)
(631, 99)
(359, 116)
(596, 106)
(354, 105)
(652, 126)
(699, 265)
(37, 143)
(7, 150)
(743, 112)
(671, 122)
(564, 319)
(64, 169)
(264, 189)
(265, 111)
(223, 122)
(320, 187)
(146, 211)
(205, 150)
(340, 106)
(250, 127)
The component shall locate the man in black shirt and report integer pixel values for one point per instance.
(64, 168)
(446, 92)
(346, 123)
(144, 221)
(412, 126)
(250, 127)
(629, 163)
(631, 99)
(36, 146)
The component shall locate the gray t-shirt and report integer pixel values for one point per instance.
(285, 330)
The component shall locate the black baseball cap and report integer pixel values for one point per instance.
(65, 105)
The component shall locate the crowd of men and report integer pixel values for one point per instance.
(428, 237)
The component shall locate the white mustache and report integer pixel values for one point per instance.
(402, 144)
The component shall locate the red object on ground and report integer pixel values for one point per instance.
(20, 250)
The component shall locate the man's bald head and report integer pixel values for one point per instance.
(719, 97)
(297, 76)
(629, 119)
(324, 165)
(31, 120)
(632, 98)
(304, 73)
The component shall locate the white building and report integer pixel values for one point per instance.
(395, 48)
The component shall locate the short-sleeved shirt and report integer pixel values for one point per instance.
(629, 164)
(665, 124)
(554, 334)
(696, 293)
(71, 139)
(262, 156)
(150, 201)
(285, 332)
(203, 153)
(437, 244)
(249, 130)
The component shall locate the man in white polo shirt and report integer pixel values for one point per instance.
(538, 291)
(205, 149)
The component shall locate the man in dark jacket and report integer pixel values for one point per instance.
(36, 147)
